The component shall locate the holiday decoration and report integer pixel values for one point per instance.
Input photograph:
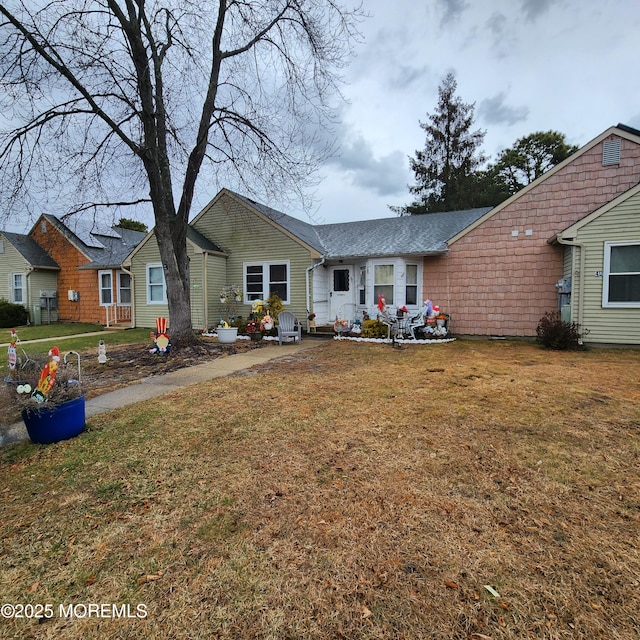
(161, 338)
(47, 377)
(13, 352)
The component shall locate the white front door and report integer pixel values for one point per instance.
(342, 301)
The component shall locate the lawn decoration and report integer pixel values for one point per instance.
(161, 338)
(13, 352)
(266, 323)
(102, 352)
(47, 377)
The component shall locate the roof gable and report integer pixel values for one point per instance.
(570, 232)
(620, 130)
(31, 251)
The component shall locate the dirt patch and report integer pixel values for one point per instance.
(128, 364)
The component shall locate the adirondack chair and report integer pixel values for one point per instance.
(287, 327)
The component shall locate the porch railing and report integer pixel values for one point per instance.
(117, 314)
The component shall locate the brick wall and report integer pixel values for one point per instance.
(493, 282)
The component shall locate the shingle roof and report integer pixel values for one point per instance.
(402, 235)
(31, 251)
(406, 235)
(106, 247)
(204, 243)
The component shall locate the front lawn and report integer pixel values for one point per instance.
(465, 491)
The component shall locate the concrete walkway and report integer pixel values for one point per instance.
(154, 386)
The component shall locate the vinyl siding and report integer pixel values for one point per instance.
(36, 281)
(10, 262)
(146, 314)
(247, 237)
(201, 311)
(604, 324)
(216, 280)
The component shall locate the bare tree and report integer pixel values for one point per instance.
(116, 102)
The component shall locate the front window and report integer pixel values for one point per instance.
(17, 288)
(412, 285)
(105, 285)
(362, 286)
(124, 288)
(265, 279)
(383, 282)
(156, 287)
(621, 274)
(341, 279)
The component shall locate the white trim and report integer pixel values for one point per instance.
(22, 287)
(265, 278)
(606, 273)
(148, 267)
(120, 273)
(101, 288)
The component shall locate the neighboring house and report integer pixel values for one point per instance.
(92, 286)
(602, 270)
(498, 276)
(26, 271)
(71, 272)
(335, 270)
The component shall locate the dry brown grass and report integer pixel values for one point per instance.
(355, 491)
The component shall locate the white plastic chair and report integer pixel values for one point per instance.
(287, 327)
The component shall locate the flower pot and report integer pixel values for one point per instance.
(440, 322)
(256, 335)
(52, 423)
(227, 335)
(268, 326)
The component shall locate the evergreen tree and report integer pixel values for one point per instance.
(445, 168)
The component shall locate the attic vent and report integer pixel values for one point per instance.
(1, 246)
(610, 152)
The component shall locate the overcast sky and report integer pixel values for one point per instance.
(528, 65)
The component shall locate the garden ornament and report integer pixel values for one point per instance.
(161, 339)
(47, 377)
(102, 352)
(13, 351)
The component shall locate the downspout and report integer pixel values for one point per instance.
(309, 270)
(579, 245)
(205, 293)
(133, 295)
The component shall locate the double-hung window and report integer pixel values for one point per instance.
(411, 285)
(621, 277)
(264, 279)
(383, 279)
(105, 284)
(124, 288)
(156, 286)
(17, 288)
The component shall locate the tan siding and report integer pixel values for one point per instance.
(216, 280)
(10, 262)
(607, 325)
(246, 237)
(146, 314)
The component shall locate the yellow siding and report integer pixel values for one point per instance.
(10, 262)
(247, 237)
(607, 325)
(216, 279)
(146, 314)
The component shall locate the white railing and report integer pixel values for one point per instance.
(117, 313)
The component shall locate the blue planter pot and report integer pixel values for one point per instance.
(47, 424)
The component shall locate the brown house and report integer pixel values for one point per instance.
(91, 285)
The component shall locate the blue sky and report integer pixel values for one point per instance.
(528, 65)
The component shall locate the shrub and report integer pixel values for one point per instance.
(554, 333)
(12, 315)
(374, 329)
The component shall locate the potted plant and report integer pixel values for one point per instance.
(230, 296)
(53, 408)
(254, 329)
